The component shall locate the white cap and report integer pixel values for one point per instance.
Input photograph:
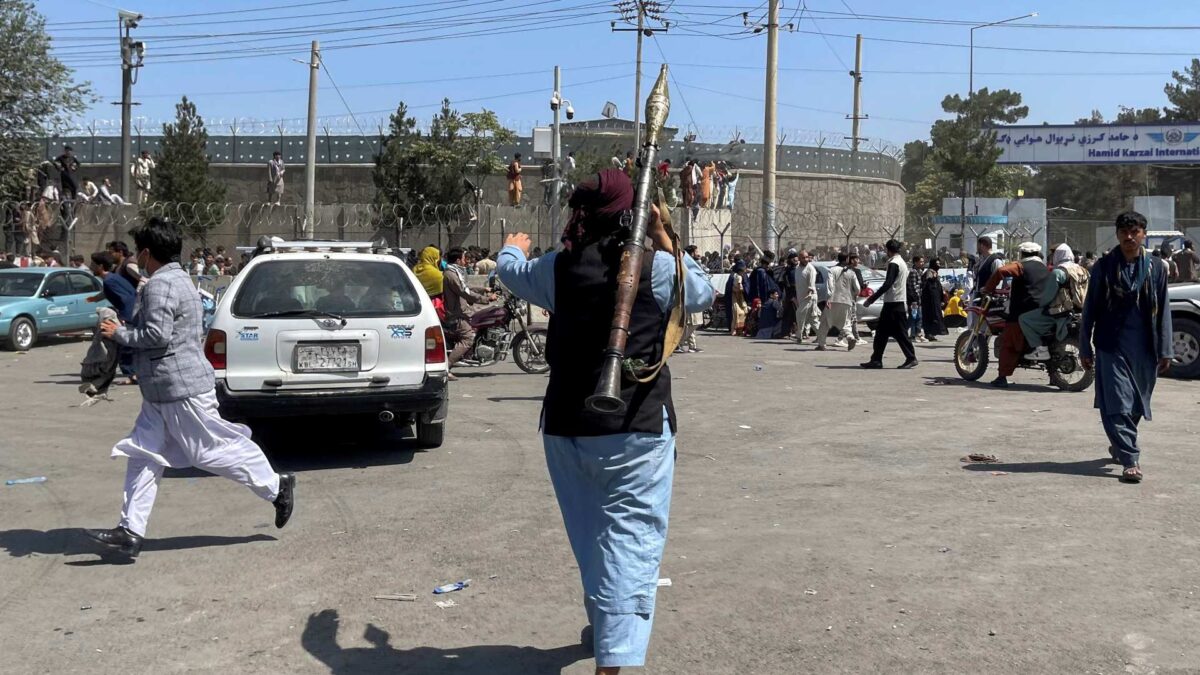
(1030, 248)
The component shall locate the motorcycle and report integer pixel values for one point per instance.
(495, 338)
(988, 319)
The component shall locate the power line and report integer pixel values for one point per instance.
(339, 93)
(186, 16)
(555, 21)
(316, 30)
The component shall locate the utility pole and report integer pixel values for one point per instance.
(645, 9)
(556, 152)
(637, 80)
(310, 159)
(857, 75)
(132, 54)
(768, 205)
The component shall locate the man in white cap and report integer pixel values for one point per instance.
(1030, 276)
(1062, 294)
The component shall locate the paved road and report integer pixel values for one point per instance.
(838, 533)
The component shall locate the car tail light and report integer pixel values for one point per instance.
(435, 345)
(214, 349)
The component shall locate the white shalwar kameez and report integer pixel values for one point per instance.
(183, 433)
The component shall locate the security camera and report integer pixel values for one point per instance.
(131, 19)
(555, 101)
(570, 112)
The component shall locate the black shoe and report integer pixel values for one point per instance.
(911, 363)
(871, 365)
(1000, 382)
(118, 539)
(587, 639)
(285, 499)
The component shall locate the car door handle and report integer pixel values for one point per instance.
(273, 382)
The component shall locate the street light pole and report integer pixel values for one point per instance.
(768, 175)
(969, 186)
(556, 154)
(971, 66)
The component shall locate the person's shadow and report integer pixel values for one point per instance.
(1096, 468)
(71, 541)
(320, 639)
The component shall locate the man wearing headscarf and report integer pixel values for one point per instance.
(611, 473)
(1127, 314)
(1060, 296)
(1029, 275)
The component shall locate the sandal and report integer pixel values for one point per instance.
(1131, 474)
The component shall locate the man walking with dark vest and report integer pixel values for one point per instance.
(893, 320)
(612, 474)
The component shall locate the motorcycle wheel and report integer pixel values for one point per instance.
(971, 356)
(1075, 377)
(523, 354)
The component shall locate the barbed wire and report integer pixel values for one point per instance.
(377, 126)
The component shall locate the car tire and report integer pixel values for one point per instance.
(430, 434)
(1187, 347)
(22, 334)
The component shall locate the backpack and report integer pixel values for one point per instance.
(1071, 296)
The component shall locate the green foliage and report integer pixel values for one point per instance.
(418, 169)
(182, 174)
(397, 171)
(965, 147)
(1183, 92)
(38, 96)
(914, 169)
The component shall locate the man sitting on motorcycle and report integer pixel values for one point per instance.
(1029, 275)
(457, 295)
(1062, 294)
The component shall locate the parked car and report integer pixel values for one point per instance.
(38, 301)
(1185, 321)
(330, 328)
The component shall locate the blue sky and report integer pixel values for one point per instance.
(505, 63)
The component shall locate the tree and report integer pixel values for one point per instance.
(965, 147)
(1183, 93)
(397, 174)
(182, 177)
(434, 168)
(38, 96)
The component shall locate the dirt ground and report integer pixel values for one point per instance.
(822, 523)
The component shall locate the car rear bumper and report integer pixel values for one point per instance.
(427, 401)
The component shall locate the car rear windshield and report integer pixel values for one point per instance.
(347, 288)
(19, 284)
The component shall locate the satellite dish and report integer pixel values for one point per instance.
(609, 111)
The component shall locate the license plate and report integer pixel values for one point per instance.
(328, 358)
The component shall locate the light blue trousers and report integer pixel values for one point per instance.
(615, 495)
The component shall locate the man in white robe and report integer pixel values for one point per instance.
(179, 425)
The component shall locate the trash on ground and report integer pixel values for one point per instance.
(991, 632)
(450, 588)
(1040, 410)
(944, 549)
(665, 581)
(810, 591)
(999, 473)
(402, 597)
(445, 604)
(84, 608)
(981, 458)
(25, 481)
(710, 457)
(758, 366)
(744, 426)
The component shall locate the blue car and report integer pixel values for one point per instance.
(45, 301)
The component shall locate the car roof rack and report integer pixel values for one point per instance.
(277, 245)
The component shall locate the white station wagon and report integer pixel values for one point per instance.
(330, 328)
